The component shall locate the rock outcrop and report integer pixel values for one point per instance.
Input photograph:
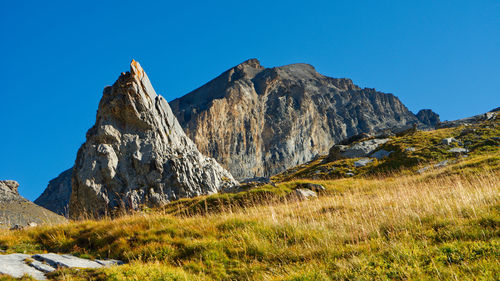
(36, 266)
(18, 212)
(488, 116)
(8, 191)
(56, 195)
(137, 154)
(260, 121)
(428, 117)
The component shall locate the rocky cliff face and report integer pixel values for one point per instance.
(428, 117)
(260, 121)
(137, 154)
(56, 195)
(8, 191)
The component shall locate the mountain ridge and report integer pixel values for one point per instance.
(259, 121)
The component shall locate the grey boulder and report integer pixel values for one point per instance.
(380, 154)
(304, 194)
(458, 150)
(362, 162)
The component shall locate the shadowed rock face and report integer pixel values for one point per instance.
(428, 117)
(260, 121)
(56, 195)
(137, 154)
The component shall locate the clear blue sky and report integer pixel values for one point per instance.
(57, 57)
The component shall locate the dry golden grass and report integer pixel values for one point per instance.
(406, 227)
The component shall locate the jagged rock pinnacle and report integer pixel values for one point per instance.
(137, 154)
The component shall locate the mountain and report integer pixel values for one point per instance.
(259, 121)
(17, 210)
(137, 154)
(56, 196)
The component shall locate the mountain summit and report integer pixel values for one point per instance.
(137, 154)
(259, 121)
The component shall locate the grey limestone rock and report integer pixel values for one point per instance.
(458, 150)
(259, 121)
(355, 150)
(137, 154)
(14, 265)
(441, 164)
(380, 154)
(304, 194)
(17, 265)
(312, 186)
(8, 191)
(57, 261)
(362, 162)
(448, 141)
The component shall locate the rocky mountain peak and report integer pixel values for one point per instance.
(428, 117)
(250, 63)
(9, 185)
(8, 190)
(260, 121)
(137, 154)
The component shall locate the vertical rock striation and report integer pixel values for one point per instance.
(260, 121)
(137, 154)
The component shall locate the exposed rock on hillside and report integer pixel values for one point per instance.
(8, 191)
(36, 266)
(428, 117)
(56, 195)
(470, 120)
(15, 210)
(260, 121)
(137, 154)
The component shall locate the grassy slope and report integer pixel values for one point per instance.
(443, 224)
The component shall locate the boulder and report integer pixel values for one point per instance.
(312, 186)
(441, 164)
(137, 154)
(448, 141)
(304, 194)
(359, 149)
(458, 150)
(380, 154)
(362, 162)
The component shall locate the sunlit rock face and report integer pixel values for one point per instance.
(260, 121)
(137, 154)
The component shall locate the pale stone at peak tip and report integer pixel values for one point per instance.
(136, 69)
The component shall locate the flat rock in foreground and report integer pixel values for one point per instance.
(36, 266)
